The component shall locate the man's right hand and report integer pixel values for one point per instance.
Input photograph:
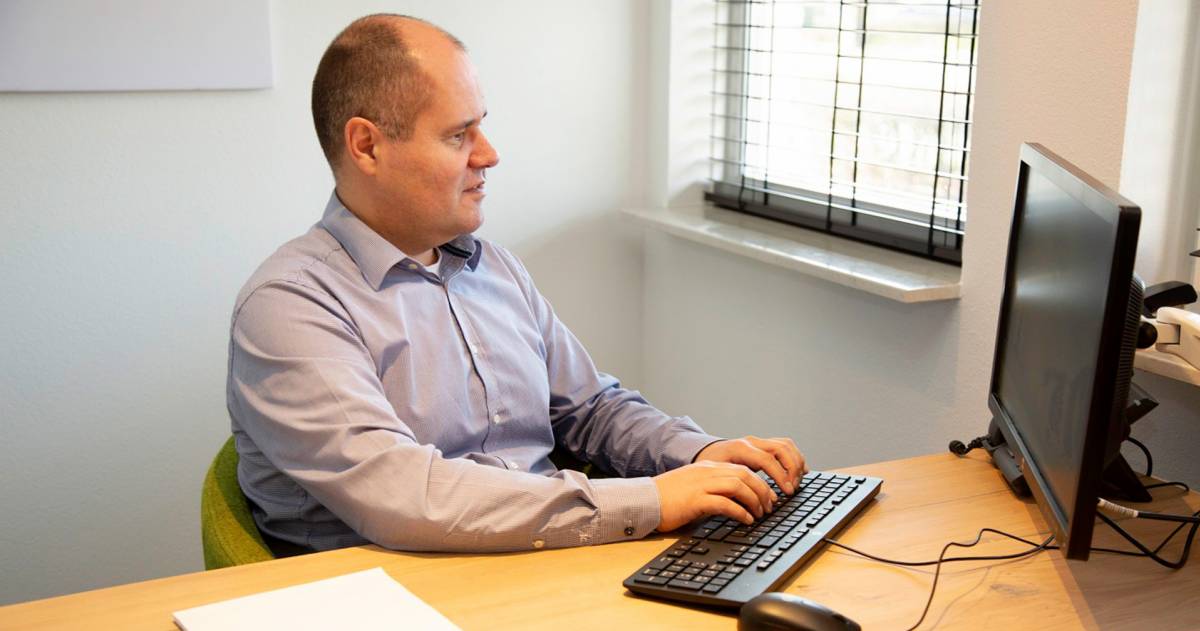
(711, 488)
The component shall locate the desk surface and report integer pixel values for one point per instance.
(924, 503)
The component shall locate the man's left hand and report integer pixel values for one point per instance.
(778, 457)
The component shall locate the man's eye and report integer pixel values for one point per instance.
(459, 137)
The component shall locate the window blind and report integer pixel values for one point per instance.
(850, 117)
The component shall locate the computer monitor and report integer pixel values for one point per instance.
(1067, 334)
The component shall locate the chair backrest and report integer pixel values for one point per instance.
(226, 526)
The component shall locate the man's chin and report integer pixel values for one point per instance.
(472, 221)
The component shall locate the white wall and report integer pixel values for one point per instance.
(130, 220)
(1162, 138)
(744, 346)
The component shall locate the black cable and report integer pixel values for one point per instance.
(1162, 484)
(1153, 554)
(949, 560)
(1145, 450)
(942, 559)
(1046, 545)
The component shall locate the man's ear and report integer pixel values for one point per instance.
(362, 138)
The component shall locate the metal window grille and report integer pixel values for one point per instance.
(849, 117)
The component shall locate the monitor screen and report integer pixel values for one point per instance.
(1062, 325)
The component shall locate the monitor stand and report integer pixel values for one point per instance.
(1119, 481)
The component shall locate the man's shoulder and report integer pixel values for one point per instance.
(493, 254)
(303, 261)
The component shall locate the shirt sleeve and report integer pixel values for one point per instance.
(596, 419)
(304, 388)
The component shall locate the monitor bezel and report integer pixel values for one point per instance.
(1074, 534)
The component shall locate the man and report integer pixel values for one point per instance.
(393, 379)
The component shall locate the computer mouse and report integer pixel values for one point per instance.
(776, 611)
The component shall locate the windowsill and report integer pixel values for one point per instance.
(900, 277)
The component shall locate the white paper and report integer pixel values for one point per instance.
(363, 600)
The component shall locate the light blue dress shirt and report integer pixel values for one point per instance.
(374, 400)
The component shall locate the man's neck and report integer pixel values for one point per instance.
(427, 258)
(362, 208)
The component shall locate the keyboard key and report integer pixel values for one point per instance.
(652, 580)
(712, 589)
(700, 550)
(675, 553)
(763, 565)
(679, 584)
(726, 560)
(709, 573)
(668, 574)
(720, 533)
(769, 541)
(661, 562)
(650, 572)
(702, 532)
(743, 562)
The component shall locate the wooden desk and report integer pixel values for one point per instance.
(925, 502)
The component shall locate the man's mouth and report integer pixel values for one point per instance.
(478, 188)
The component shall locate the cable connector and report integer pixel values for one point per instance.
(1116, 510)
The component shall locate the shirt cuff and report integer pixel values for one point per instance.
(628, 507)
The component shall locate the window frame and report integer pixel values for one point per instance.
(923, 234)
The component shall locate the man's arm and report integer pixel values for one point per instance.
(602, 423)
(304, 388)
(593, 417)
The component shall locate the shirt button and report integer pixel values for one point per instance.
(629, 531)
(495, 418)
(412, 266)
(539, 544)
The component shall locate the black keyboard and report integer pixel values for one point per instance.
(724, 563)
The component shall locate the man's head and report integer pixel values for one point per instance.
(398, 109)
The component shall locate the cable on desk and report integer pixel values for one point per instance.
(1036, 547)
(1145, 450)
(1162, 484)
(1153, 554)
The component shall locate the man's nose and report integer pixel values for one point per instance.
(484, 156)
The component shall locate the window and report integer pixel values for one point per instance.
(850, 117)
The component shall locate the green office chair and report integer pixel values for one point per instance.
(226, 526)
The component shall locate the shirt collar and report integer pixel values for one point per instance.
(376, 256)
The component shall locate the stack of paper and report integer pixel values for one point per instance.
(363, 600)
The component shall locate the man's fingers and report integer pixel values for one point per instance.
(757, 455)
(737, 489)
(756, 484)
(796, 450)
(791, 462)
(720, 505)
(785, 450)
